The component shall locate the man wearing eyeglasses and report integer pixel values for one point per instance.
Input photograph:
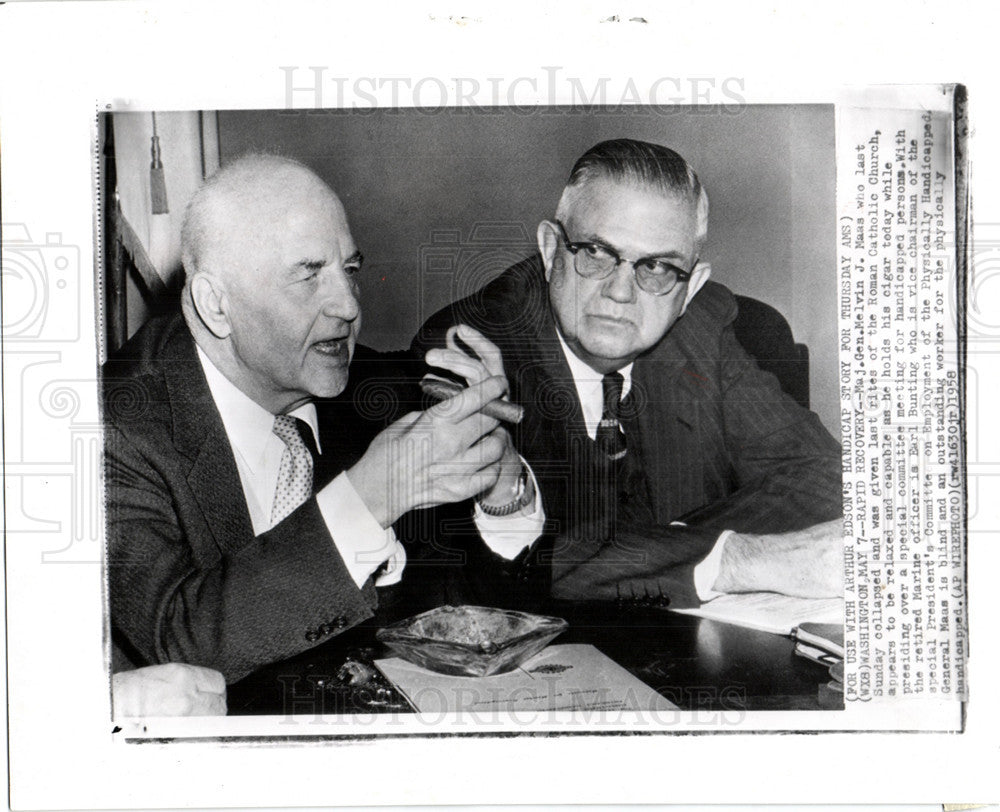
(671, 467)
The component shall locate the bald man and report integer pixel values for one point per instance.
(244, 527)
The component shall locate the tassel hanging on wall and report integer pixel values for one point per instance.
(157, 181)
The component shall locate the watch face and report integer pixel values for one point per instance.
(522, 485)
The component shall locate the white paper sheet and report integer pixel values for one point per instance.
(570, 677)
(770, 612)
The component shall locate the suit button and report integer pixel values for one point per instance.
(312, 636)
(327, 628)
(340, 622)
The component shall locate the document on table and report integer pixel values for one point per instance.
(572, 678)
(770, 612)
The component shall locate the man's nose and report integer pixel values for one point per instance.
(340, 297)
(620, 286)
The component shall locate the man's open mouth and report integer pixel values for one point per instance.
(334, 347)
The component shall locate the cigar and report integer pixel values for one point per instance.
(440, 389)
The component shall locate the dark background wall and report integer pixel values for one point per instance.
(440, 202)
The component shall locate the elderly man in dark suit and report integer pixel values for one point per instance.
(671, 467)
(244, 525)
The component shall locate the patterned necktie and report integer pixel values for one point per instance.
(610, 438)
(295, 475)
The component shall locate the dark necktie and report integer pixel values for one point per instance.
(610, 439)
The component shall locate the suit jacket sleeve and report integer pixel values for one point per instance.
(180, 594)
(647, 564)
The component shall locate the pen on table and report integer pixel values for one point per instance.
(440, 389)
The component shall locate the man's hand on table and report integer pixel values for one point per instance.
(173, 689)
(804, 563)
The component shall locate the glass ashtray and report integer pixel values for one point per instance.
(473, 641)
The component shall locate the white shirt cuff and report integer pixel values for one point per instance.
(707, 571)
(362, 542)
(507, 536)
(394, 566)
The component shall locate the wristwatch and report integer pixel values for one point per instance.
(520, 499)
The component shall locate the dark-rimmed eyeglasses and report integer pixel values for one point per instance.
(593, 260)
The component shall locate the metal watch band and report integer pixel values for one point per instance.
(519, 501)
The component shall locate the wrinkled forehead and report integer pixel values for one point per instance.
(309, 208)
(277, 212)
(285, 196)
(602, 197)
(629, 215)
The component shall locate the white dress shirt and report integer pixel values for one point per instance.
(589, 387)
(590, 390)
(360, 540)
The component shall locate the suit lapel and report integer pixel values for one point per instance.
(200, 436)
(665, 409)
(543, 377)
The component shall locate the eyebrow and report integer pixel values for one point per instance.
(312, 263)
(596, 240)
(308, 263)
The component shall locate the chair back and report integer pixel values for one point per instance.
(765, 335)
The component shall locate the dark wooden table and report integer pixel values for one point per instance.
(697, 664)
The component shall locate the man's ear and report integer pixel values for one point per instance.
(699, 276)
(209, 299)
(548, 245)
